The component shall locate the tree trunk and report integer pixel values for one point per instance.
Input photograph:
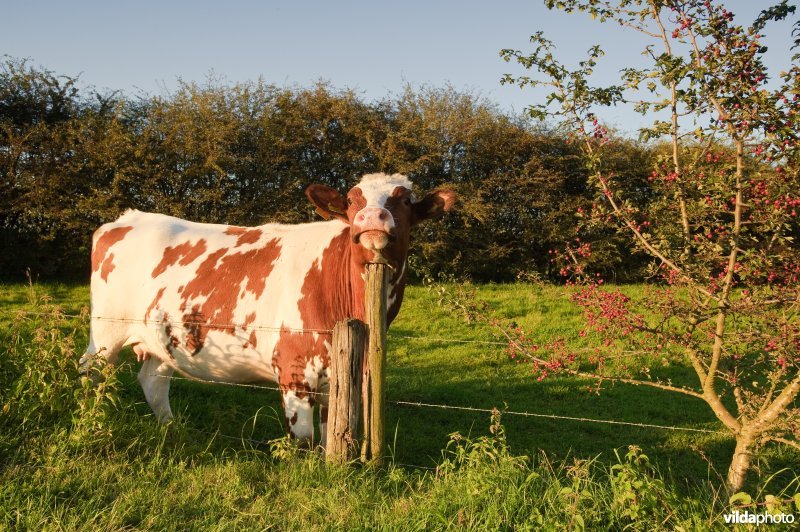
(740, 464)
(752, 429)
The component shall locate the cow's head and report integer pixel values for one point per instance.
(380, 210)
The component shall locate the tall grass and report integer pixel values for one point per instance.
(44, 397)
(76, 456)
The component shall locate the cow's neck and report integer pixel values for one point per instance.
(333, 289)
(357, 260)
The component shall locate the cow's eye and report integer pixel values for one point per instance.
(349, 201)
(407, 201)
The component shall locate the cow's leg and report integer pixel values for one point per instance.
(323, 425)
(155, 377)
(299, 411)
(105, 343)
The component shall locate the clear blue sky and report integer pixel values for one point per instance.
(375, 47)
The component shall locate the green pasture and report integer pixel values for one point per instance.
(215, 468)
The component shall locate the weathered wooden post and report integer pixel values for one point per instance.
(344, 397)
(374, 398)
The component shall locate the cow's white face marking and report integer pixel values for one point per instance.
(376, 188)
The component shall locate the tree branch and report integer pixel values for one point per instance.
(777, 439)
(676, 166)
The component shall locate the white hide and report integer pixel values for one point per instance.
(223, 357)
(122, 300)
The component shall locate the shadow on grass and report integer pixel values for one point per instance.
(420, 427)
(416, 435)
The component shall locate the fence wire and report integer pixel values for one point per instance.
(232, 326)
(417, 404)
(469, 408)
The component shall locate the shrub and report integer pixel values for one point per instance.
(47, 399)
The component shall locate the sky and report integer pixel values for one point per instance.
(374, 47)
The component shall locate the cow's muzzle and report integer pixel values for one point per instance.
(373, 240)
(373, 228)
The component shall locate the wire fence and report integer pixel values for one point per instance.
(187, 323)
(245, 327)
(406, 403)
(505, 412)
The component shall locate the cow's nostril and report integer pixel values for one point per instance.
(382, 215)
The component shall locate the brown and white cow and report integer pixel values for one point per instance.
(241, 304)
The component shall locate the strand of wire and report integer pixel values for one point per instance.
(554, 416)
(474, 409)
(187, 324)
(231, 326)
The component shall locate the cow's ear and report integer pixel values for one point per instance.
(329, 202)
(433, 205)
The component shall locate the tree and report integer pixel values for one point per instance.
(37, 111)
(721, 225)
(243, 153)
(518, 183)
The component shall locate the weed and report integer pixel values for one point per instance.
(46, 395)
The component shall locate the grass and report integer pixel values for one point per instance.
(212, 469)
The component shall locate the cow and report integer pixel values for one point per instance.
(250, 304)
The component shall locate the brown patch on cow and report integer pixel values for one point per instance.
(107, 267)
(246, 235)
(172, 340)
(293, 419)
(196, 330)
(154, 303)
(235, 230)
(248, 320)
(331, 291)
(252, 339)
(100, 259)
(219, 279)
(290, 357)
(332, 288)
(184, 254)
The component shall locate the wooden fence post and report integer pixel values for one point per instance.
(374, 398)
(344, 398)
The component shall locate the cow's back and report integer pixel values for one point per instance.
(214, 301)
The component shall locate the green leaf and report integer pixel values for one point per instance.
(533, 476)
(741, 498)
